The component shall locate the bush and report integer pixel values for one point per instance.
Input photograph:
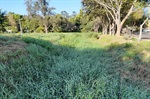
(40, 29)
(95, 35)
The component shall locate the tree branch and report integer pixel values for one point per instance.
(129, 12)
(108, 8)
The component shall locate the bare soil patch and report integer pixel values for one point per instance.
(17, 45)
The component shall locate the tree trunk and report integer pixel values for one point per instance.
(20, 27)
(141, 27)
(104, 30)
(96, 25)
(96, 28)
(110, 27)
(46, 28)
(119, 27)
(140, 35)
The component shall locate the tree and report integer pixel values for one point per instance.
(65, 14)
(96, 16)
(74, 14)
(141, 28)
(147, 14)
(30, 8)
(41, 8)
(13, 20)
(74, 23)
(135, 19)
(2, 20)
(30, 24)
(115, 8)
(59, 23)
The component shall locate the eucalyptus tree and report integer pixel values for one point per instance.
(40, 8)
(119, 10)
(31, 9)
(96, 15)
(65, 14)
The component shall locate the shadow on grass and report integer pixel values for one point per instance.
(54, 71)
(134, 67)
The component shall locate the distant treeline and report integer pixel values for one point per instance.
(92, 17)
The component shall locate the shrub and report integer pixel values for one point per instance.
(95, 35)
(40, 29)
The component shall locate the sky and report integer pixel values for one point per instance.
(18, 6)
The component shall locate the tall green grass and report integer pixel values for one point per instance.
(70, 66)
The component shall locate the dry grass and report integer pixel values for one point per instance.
(12, 47)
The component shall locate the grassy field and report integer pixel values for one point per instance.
(73, 66)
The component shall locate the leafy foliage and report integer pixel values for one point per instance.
(2, 20)
(92, 17)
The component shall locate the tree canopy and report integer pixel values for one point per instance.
(106, 16)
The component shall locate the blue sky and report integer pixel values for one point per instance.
(18, 6)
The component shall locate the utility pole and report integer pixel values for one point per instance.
(20, 26)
